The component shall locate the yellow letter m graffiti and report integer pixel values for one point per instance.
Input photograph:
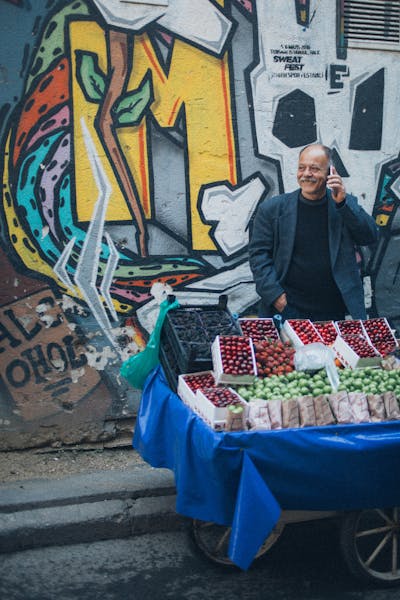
(196, 82)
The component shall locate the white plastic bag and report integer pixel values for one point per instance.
(313, 357)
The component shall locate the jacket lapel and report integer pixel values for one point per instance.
(287, 230)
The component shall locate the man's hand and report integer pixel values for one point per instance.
(335, 184)
(280, 302)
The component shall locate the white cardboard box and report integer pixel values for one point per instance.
(389, 336)
(274, 334)
(349, 358)
(184, 390)
(228, 378)
(215, 416)
(288, 334)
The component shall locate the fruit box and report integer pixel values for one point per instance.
(223, 372)
(351, 327)
(259, 328)
(215, 416)
(379, 332)
(187, 392)
(327, 330)
(293, 329)
(349, 358)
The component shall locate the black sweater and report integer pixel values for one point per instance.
(309, 283)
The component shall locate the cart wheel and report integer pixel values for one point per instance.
(213, 540)
(370, 545)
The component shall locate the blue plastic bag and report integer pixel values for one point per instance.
(136, 368)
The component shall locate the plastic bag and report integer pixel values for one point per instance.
(312, 357)
(137, 367)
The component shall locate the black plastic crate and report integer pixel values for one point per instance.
(189, 331)
(188, 354)
(169, 370)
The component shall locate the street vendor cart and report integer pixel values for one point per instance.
(241, 488)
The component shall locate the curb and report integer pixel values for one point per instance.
(87, 508)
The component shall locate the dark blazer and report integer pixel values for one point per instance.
(272, 239)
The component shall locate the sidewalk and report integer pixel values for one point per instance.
(87, 507)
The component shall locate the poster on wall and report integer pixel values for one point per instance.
(300, 60)
(299, 57)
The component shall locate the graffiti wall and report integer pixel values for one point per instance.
(137, 139)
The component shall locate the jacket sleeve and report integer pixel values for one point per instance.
(263, 240)
(362, 227)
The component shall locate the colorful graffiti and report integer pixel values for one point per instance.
(143, 137)
(80, 156)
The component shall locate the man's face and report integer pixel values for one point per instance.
(312, 172)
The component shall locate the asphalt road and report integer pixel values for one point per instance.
(305, 564)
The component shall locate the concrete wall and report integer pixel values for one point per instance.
(136, 142)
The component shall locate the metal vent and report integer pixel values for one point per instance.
(373, 24)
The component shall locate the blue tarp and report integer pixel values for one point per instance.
(245, 479)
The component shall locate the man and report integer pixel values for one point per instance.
(302, 247)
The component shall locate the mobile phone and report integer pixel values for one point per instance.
(330, 172)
